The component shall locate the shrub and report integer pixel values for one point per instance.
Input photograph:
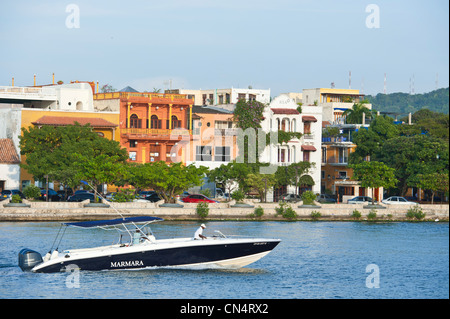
(286, 211)
(258, 212)
(372, 214)
(32, 191)
(415, 212)
(202, 210)
(315, 215)
(308, 197)
(356, 214)
(123, 195)
(16, 199)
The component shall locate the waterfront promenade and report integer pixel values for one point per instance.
(63, 211)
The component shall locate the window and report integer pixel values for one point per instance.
(132, 156)
(222, 154)
(252, 97)
(306, 156)
(342, 175)
(175, 122)
(155, 123)
(343, 155)
(133, 143)
(307, 128)
(241, 96)
(154, 153)
(223, 124)
(323, 174)
(203, 153)
(135, 122)
(324, 155)
(283, 155)
(285, 125)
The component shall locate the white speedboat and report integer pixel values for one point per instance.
(143, 250)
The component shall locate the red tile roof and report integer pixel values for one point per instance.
(63, 121)
(285, 111)
(325, 124)
(308, 148)
(8, 153)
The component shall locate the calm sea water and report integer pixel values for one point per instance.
(314, 260)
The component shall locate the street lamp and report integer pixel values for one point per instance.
(46, 188)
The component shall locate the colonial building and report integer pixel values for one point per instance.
(153, 126)
(213, 137)
(225, 98)
(336, 175)
(283, 114)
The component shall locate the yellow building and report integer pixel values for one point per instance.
(333, 102)
(105, 124)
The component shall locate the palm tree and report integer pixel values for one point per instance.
(355, 114)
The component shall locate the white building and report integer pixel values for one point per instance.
(282, 114)
(69, 97)
(226, 98)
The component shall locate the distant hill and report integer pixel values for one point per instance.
(436, 101)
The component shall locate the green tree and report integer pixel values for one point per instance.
(248, 116)
(374, 175)
(233, 175)
(260, 183)
(51, 151)
(369, 141)
(414, 155)
(355, 114)
(100, 169)
(168, 180)
(295, 174)
(434, 182)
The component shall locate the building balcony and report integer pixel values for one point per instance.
(226, 131)
(157, 98)
(337, 160)
(155, 134)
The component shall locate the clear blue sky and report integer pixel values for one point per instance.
(284, 45)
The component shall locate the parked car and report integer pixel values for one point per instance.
(290, 198)
(325, 198)
(153, 198)
(64, 194)
(197, 198)
(397, 200)
(144, 194)
(53, 196)
(185, 194)
(360, 200)
(81, 197)
(8, 193)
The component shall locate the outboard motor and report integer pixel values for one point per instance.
(28, 259)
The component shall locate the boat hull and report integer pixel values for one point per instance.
(194, 253)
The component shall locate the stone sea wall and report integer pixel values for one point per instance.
(64, 211)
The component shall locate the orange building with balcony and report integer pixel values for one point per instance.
(152, 125)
